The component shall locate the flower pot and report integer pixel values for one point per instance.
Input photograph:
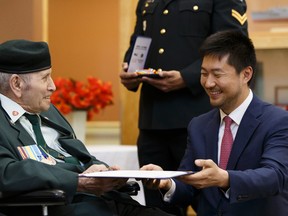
(78, 120)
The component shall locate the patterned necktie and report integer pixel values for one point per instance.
(227, 142)
(34, 120)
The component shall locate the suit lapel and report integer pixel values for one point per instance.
(211, 137)
(23, 136)
(248, 125)
(68, 142)
(211, 142)
(63, 131)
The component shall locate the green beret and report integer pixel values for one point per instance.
(23, 56)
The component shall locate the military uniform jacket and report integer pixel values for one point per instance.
(18, 175)
(177, 29)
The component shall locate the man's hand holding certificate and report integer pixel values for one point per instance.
(152, 176)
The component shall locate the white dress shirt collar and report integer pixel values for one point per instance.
(14, 110)
(237, 114)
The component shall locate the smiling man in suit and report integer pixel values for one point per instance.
(38, 148)
(177, 29)
(251, 176)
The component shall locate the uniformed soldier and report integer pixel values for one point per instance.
(177, 29)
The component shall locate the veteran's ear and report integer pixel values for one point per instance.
(16, 84)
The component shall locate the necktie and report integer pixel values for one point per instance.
(34, 120)
(227, 142)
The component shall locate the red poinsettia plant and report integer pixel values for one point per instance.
(91, 96)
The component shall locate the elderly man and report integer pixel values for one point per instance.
(38, 148)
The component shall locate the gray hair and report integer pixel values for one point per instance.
(4, 81)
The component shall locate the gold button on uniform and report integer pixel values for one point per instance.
(144, 12)
(195, 7)
(146, 5)
(163, 31)
(161, 51)
(165, 12)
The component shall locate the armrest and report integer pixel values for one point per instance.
(131, 188)
(53, 197)
(47, 197)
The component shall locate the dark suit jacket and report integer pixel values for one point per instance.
(18, 176)
(258, 165)
(187, 24)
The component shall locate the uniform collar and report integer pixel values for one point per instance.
(13, 110)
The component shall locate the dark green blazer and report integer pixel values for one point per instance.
(18, 175)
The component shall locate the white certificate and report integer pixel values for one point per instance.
(137, 174)
(139, 53)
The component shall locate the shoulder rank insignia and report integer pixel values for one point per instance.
(241, 18)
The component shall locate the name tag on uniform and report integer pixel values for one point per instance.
(139, 53)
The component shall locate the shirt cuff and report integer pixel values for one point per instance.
(226, 193)
(168, 195)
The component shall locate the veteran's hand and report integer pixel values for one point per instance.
(129, 80)
(155, 183)
(96, 168)
(99, 186)
(210, 176)
(169, 81)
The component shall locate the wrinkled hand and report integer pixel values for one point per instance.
(210, 176)
(169, 81)
(129, 80)
(155, 183)
(96, 168)
(99, 186)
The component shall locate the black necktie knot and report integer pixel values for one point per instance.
(34, 119)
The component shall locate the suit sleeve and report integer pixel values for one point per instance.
(268, 172)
